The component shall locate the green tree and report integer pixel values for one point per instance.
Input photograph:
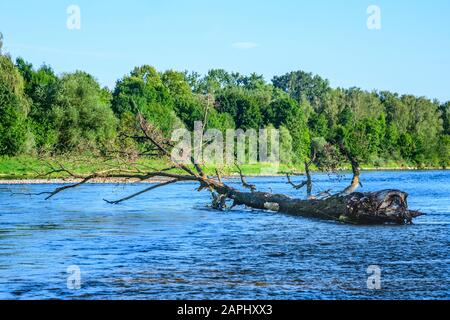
(362, 138)
(425, 126)
(445, 115)
(281, 108)
(176, 83)
(14, 134)
(286, 146)
(83, 117)
(363, 104)
(397, 112)
(319, 125)
(144, 91)
(220, 121)
(242, 106)
(303, 86)
(296, 123)
(13, 130)
(43, 88)
(252, 82)
(444, 151)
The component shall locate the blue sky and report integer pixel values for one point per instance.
(410, 54)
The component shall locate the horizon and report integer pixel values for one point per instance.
(328, 39)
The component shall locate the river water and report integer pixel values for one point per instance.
(168, 245)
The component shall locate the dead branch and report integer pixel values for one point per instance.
(142, 192)
(244, 182)
(295, 186)
(308, 182)
(355, 170)
(218, 175)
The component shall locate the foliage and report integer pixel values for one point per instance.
(43, 88)
(83, 117)
(13, 130)
(42, 112)
(144, 91)
(303, 86)
(14, 135)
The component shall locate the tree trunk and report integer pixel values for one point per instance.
(388, 206)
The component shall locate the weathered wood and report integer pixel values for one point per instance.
(387, 206)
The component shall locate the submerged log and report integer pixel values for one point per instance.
(382, 207)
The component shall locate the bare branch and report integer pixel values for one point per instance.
(295, 186)
(355, 170)
(245, 184)
(120, 173)
(142, 192)
(219, 176)
(71, 186)
(308, 181)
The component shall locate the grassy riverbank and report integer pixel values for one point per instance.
(25, 167)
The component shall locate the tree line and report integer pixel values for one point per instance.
(42, 113)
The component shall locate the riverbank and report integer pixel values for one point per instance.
(31, 181)
(30, 170)
(72, 181)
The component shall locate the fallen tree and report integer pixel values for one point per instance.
(348, 206)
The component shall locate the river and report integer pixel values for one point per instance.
(168, 245)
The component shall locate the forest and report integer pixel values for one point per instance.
(46, 114)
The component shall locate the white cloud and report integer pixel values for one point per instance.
(245, 45)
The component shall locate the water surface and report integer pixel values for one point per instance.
(168, 245)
